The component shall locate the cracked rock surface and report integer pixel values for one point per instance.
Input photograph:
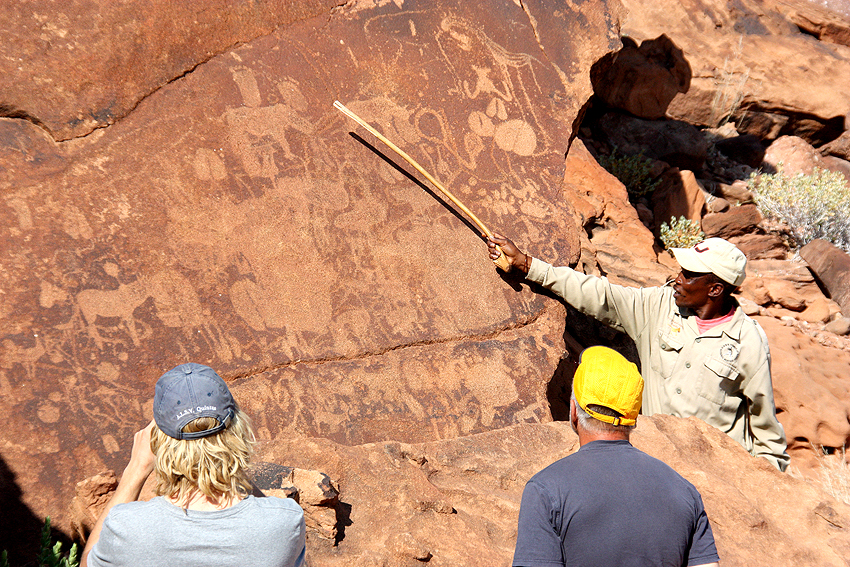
(78, 65)
(233, 219)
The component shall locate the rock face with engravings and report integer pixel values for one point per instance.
(176, 185)
(224, 212)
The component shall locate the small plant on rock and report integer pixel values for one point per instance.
(632, 171)
(813, 206)
(681, 233)
(50, 554)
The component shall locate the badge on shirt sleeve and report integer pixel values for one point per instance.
(729, 352)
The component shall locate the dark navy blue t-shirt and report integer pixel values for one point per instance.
(612, 505)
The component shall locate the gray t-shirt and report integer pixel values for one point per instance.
(261, 532)
(612, 505)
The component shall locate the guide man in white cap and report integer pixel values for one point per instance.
(199, 446)
(700, 354)
(609, 503)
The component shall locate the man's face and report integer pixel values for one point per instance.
(691, 289)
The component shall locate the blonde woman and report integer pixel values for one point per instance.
(199, 444)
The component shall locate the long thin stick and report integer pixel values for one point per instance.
(501, 261)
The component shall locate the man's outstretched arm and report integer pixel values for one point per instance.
(621, 307)
(141, 465)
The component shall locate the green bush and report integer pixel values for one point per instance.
(51, 553)
(681, 233)
(813, 206)
(632, 171)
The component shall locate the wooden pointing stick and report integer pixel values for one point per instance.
(501, 261)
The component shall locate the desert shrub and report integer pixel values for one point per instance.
(50, 554)
(681, 233)
(813, 206)
(632, 171)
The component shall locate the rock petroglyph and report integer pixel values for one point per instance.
(234, 218)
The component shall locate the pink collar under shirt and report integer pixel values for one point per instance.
(705, 324)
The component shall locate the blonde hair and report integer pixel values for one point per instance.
(215, 466)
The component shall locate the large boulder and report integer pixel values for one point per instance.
(642, 80)
(792, 156)
(455, 502)
(236, 219)
(679, 194)
(734, 222)
(810, 386)
(840, 147)
(740, 60)
(831, 265)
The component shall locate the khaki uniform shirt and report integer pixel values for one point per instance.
(721, 376)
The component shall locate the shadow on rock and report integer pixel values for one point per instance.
(592, 333)
(20, 529)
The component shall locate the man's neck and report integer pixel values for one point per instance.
(715, 309)
(585, 436)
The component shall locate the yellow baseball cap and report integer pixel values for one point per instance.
(605, 378)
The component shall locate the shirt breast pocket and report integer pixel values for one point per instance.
(663, 357)
(718, 380)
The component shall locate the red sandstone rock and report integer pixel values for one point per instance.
(840, 147)
(739, 57)
(785, 294)
(842, 166)
(817, 20)
(736, 192)
(832, 267)
(716, 204)
(755, 511)
(840, 326)
(761, 246)
(811, 389)
(92, 495)
(642, 80)
(231, 219)
(621, 244)
(792, 155)
(818, 311)
(733, 222)
(678, 195)
(787, 286)
(77, 65)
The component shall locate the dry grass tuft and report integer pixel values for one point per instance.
(835, 474)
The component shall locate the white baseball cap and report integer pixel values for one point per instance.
(717, 256)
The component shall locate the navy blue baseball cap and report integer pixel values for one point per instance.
(187, 392)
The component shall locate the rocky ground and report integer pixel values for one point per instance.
(176, 185)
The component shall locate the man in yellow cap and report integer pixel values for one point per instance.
(609, 503)
(700, 354)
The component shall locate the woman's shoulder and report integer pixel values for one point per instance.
(273, 503)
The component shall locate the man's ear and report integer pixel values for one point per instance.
(715, 290)
(573, 413)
